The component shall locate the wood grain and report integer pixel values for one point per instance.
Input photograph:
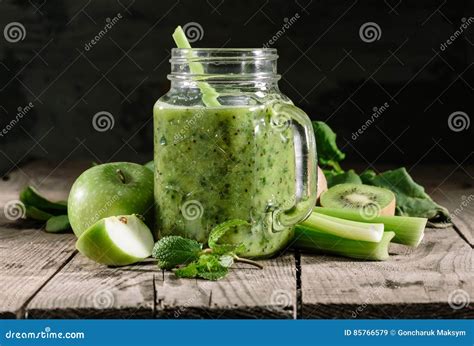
(413, 283)
(247, 292)
(84, 289)
(454, 189)
(43, 277)
(29, 256)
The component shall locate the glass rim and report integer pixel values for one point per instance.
(203, 54)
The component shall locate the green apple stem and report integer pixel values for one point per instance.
(120, 175)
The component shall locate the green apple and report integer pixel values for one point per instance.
(150, 165)
(117, 241)
(119, 188)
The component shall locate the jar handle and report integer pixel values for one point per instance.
(287, 115)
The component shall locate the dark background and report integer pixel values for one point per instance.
(327, 69)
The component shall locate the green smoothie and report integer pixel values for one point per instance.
(213, 164)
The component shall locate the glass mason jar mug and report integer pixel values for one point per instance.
(229, 145)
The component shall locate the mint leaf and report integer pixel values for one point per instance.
(226, 260)
(219, 231)
(175, 250)
(329, 154)
(190, 271)
(209, 267)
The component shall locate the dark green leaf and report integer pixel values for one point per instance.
(31, 197)
(189, 271)
(175, 250)
(57, 224)
(209, 267)
(342, 178)
(36, 214)
(329, 154)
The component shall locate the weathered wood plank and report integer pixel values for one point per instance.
(413, 283)
(453, 188)
(29, 256)
(247, 292)
(84, 289)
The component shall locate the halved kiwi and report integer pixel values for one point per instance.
(371, 200)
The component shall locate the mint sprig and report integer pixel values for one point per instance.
(219, 231)
(175, 250)
(212, 263)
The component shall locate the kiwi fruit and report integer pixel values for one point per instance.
(372, 200)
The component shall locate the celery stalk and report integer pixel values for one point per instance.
(344, 228)
(313, 240)
(408, 230)
(209, 94)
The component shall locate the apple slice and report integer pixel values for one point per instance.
(117, 241)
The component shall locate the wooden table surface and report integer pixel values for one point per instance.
(43, 276)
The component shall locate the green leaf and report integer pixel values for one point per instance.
(209, 267)
(36, 214)
(412, 200)
(219, 231)
(31, 197)
(367, 176)
(175, 250)
(329, 154)
(189, 271)
(341, 178)
(226, 260)
(57, 224)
